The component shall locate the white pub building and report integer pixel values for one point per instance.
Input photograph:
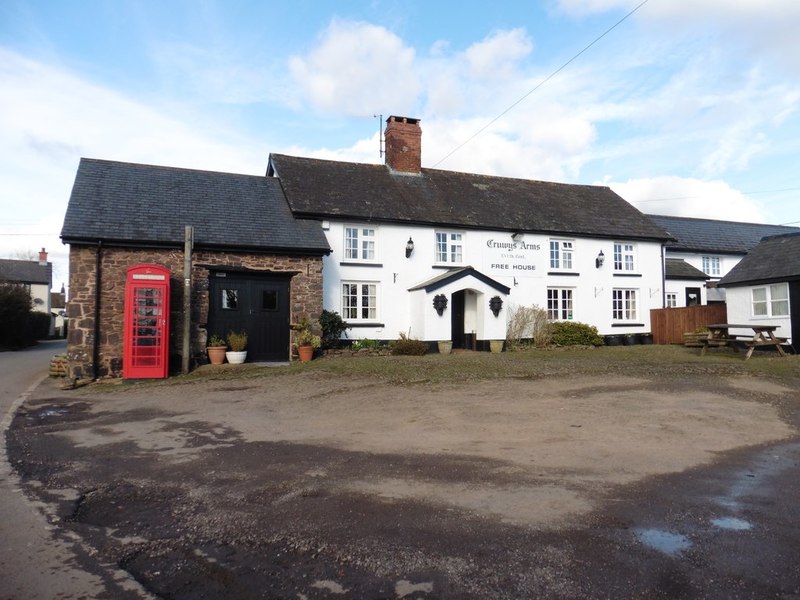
(441, 255)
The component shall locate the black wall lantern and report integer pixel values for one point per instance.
(598, 262)
(409, 247)
(495, 304)
(440, 303)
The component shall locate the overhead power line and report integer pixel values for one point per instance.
(540, 84)
(665, 199)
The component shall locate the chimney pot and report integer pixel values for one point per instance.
(42, 257)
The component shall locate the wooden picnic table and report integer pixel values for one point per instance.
(763, 336)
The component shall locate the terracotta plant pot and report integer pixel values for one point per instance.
(216, 354)
(306, 353)
(445, 347)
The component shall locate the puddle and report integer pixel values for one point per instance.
(405, 588)
(330, 586)
(47, 413)
(663, 541)
(731, 523)
(727, 502)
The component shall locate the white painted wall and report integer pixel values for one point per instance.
(40, 296)
(523, 267)
(678, 287)
(740, 310)
(726, 263)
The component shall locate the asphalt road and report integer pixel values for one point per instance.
(37, 560)
(187, 503)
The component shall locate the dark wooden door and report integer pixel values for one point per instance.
(258, 305)
(457, 320)
(794, 315)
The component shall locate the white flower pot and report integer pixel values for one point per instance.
(236, 358)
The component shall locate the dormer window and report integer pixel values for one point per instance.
(711, 266)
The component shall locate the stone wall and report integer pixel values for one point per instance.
(305, 299)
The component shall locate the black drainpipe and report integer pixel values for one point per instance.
(96, 340)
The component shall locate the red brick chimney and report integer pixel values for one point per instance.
(403, 139)
(42, 257)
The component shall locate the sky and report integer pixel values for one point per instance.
(683, 107)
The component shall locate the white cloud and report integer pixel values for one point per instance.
(357, 69)
(765, 28)
(50, 118)
(688, 197)
(495, 58)
(213, 74)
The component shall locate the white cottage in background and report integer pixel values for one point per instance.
(35, 276)
(710, 247)
(441, 255)
(764, 288)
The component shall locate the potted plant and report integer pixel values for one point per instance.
(237, 340)
(216, 348)
(496, 345)
(307, 341)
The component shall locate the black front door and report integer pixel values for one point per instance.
(257, 304)
(457, 320)
(794, 315)
(692, 296)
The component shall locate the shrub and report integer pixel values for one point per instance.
(573, 333)
(305, 337)
(365, 343)
(39, 325)
(332, 328)
(408, 347)
(237, 340)
(15, 311)
(528, 323)
(215, 341)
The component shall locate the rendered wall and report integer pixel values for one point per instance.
(524, 270)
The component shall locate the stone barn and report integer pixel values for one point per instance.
(254, 267)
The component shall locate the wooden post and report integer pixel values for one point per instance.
(188, 239)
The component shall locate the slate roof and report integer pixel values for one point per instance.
(136, 204)
(25, 271)
(774, 260)
(451, 275)
(343, 190)
(709, 235)
(677, 268)
(57, 300)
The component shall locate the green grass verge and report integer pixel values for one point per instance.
(644, 361)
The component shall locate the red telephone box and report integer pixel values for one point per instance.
(146, 338)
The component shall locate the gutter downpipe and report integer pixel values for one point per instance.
(96, 340)
(663, 276)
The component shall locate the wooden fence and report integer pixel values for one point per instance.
(669, 324)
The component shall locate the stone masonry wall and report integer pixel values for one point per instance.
(305, 299)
